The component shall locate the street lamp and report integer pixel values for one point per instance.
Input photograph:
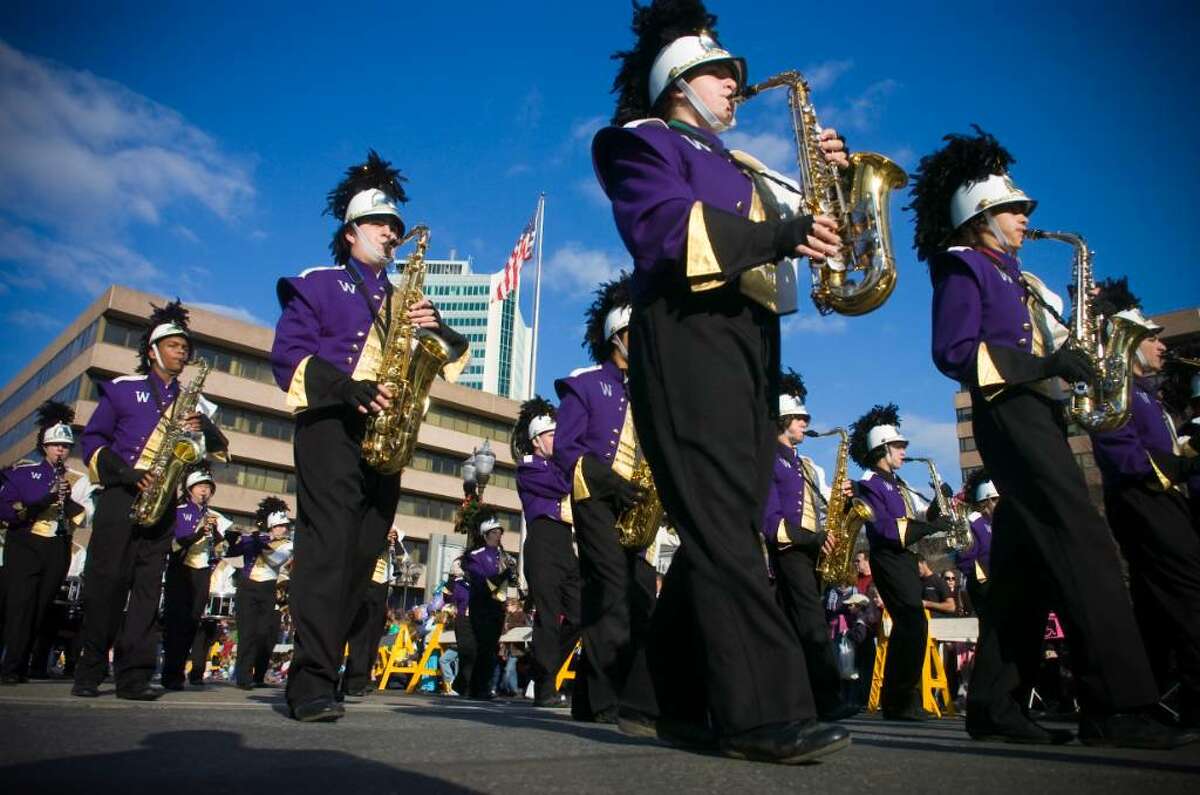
(477, 469)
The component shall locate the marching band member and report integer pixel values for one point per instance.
(1145, 469)
(124, 569)
(793, 522)
(368, 625)
(595, 449)
(198, 530)
(457, 592)
(704, 229)
(488, 571)
(551, 566)
(264, 552)
(36, 503)
(327, 350)
(901, 517)
(993, 333)
(973, 563)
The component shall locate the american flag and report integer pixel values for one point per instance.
(521, 252)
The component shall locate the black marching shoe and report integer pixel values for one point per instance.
(245, 685)
(175, 685)
(1017, 729)
(786, 743)
(839, 711)
(145, 694)
(1130, 730)
(320, 710)
(910, 714)
(553, 701)
(671, 731)
(85, 691)
(356, 692)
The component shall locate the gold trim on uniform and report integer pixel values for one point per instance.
(579, 486)
(703, 267)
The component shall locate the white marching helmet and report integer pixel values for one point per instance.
(973, 198)
(164, 330)
(791, 406)
(59, 433)
(684, 54)
(1135, 315)
(985, 491)
(884, 434)
(199, 476)
(277, 518)
(490, 524)
(616, 321)
(539, 425)
(370, 202)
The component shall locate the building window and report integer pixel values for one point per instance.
(443, 510)
(68, 394)
(454, 419)
(255, 476)
(76, 346)
(963, 414)
(235, 363)
(258, 423)
(966, 473)
(966, 444)
(442, 464)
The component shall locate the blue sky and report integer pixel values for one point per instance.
(189, 151)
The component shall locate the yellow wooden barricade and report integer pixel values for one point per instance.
(404, 648)
(567, 669)
(933, 674)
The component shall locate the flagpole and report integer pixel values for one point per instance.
(537, 294)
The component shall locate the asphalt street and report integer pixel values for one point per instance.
(221, 739)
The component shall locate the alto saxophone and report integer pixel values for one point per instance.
(859, 204)
(1104, 403)
(844, 517)
(178, 451)
(637, 526)
(956, 514)
(411, 359)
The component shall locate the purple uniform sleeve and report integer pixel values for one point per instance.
(884, 525)
(8, 499)
(548, 482)
(772, 514)
(651, 199)
(101, 428)
(571, 424)
(957, 317)
(1120, 453)
(295, 333)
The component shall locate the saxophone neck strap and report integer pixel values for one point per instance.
(381, 321)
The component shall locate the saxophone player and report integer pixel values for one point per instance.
(900, 518)
(36, 504)
(994, 332)
(197, 530)
(1146, 469)
(125, 562)
(326, 356)
(264, 552)
(792, 526)
(595, 449)
(551, 565)
(703, 228)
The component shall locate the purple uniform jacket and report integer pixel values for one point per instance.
(977, 558)
(784, 509)
(884, 494)
(458, 591)
(978, 302)
(591, 416)
(660, 181)
(326, 315)
(27, 501)
(1124, 454)
(126, 416)
(187, 518)
(542, 488)
(249, 545)
(481, 566)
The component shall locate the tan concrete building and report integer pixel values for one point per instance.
(1181, 327)
(102, 343)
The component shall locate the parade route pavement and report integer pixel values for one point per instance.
(221, 739)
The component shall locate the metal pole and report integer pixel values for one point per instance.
(537, 295)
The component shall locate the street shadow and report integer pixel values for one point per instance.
(216, 762)
(506, 717)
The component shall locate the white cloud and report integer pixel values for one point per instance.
(862, 112)
(235, 312)
(590, 189)
(586, 129)
(529, 112)
(34, 320)
(88, 267)
(934, 439)
(813, 324)
(577, 270)
(823, 75)
(776, 151)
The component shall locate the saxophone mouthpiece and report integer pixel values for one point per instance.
(812, 434)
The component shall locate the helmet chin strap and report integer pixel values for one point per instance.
(616, 341)
(1005, 244)
(375, 252)
(709, 117)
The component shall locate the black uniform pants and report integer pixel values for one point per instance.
(186, 595)
(1049, 544)
(345, 509)
(35, 568)
(206, 633)
(1155, 532)
(365, 632)
(899, 583)
(468, 652)
(255, 624)
(487, 625)
(704, 385)
(799, 588)
(552, 571)
(617, 590)
(122, 583)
